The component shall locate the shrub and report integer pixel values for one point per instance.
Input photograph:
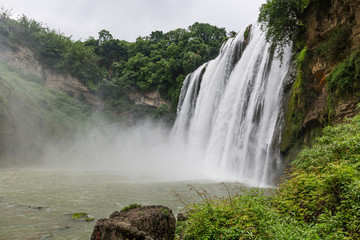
(324, 188)
(345, 77)
(248, 215)
(336, 45)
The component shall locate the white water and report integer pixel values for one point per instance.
(230, 111)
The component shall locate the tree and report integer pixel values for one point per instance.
(211, 36)
(5, 13)
(104, 36)
(281, 19)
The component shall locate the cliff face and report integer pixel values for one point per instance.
(321, 23)
(151, 98)
(23, 60)
(332, 35)
(331, 14)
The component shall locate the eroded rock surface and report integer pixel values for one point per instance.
(147, 222)
(151, 98)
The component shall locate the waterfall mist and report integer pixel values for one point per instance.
(140, 153)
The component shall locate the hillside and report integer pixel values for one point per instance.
(32, 114)
(52, 84)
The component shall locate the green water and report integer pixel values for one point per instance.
(38, 203)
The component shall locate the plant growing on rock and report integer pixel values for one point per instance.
(131, 206)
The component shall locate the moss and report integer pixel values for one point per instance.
(301, 57)
(82, 216)
(165, 212)
(293, 114)
(131, 206)
(246, 34)
(302, 96)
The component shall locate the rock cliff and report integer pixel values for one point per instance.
(151, 98)
(321, 24)
(332, 35)
(24, 60)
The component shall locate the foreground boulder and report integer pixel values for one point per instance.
(148, 223)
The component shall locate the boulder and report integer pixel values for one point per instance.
(147, 222)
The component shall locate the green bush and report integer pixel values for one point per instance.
(325, 187)
(248, 215)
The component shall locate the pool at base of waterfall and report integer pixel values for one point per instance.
(37, 203)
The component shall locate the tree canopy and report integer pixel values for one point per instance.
(113, 67)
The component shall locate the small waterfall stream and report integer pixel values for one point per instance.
(230, 110)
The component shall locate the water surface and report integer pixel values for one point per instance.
(38, 203)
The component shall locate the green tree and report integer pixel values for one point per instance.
(104, 36)
(211, 36)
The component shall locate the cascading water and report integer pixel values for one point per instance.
(230, 110)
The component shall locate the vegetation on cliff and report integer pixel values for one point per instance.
(326, 50)
(32, 114)
(281, 20)
(112, 67)
(320, 199)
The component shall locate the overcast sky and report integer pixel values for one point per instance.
(128, 19)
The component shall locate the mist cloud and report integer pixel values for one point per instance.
(141, 153)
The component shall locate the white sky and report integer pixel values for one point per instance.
(128, 19)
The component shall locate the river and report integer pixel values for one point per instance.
(37, 203)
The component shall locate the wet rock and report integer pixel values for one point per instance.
(182, 217)
(112, 229)
(147, 222)
(37, 208)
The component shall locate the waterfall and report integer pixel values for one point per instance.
(230, 110)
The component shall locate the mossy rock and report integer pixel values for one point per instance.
(82, 216)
